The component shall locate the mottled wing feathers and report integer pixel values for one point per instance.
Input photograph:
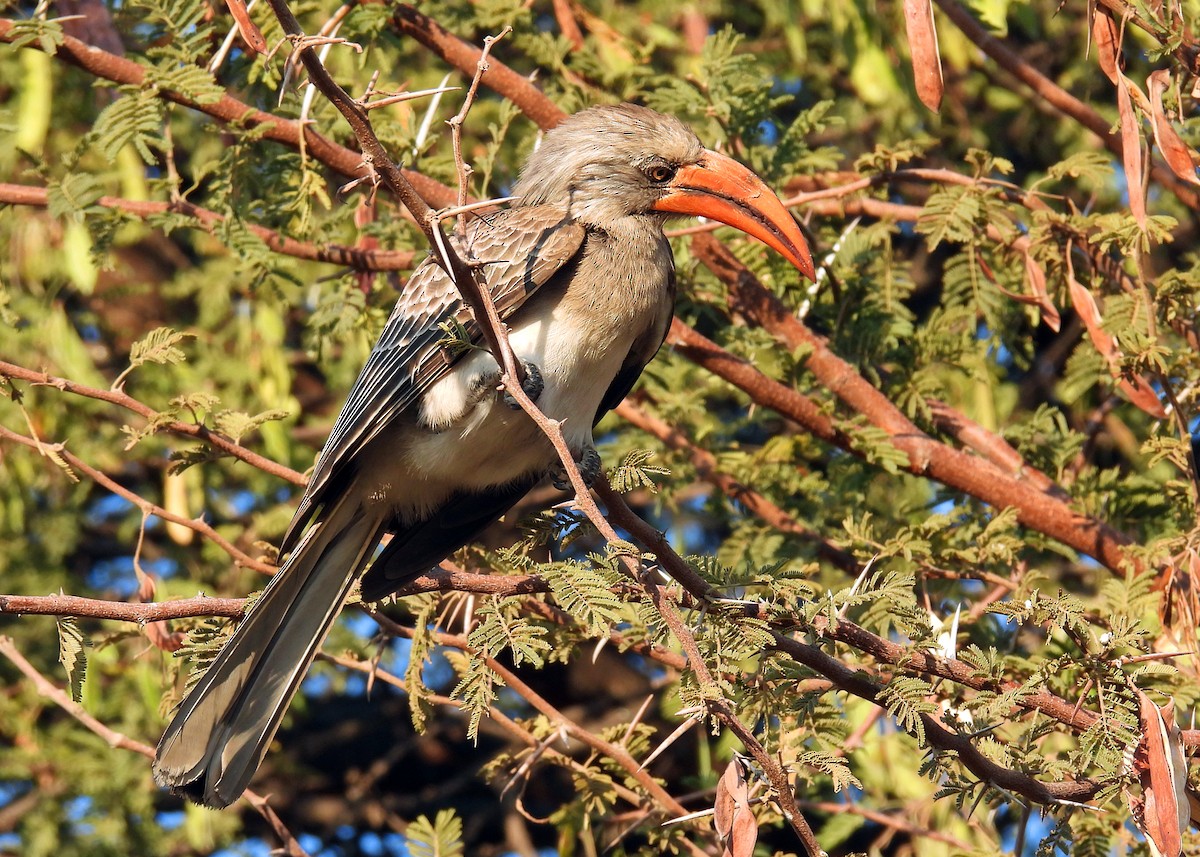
(521, 249)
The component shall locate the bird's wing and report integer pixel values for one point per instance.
(520, 248)
(642, 352)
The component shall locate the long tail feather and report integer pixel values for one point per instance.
(223, 727)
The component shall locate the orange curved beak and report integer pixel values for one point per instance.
(719, 188)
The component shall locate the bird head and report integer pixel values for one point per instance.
(612, 162)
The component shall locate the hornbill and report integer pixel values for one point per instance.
(426, 449)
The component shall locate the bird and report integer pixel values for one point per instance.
(427, 449)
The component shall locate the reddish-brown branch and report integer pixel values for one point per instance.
(1056, 96)
(465, 57)
(353, 257)
(706, 467)
(47, 690)
(436, 580)
(121, 611)
(232, 112)
(763, 390)
(123, 400)
(567, 24)
(102, 479)
(991, 446)
(954, 468)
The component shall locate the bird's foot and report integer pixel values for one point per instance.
(532, 384)
(589, 468)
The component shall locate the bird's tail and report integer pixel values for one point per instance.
(224, 725)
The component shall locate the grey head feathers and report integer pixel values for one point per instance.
(598, 163)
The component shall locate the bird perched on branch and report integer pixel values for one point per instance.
(426, 447)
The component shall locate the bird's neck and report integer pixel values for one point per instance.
(634, 272)
(642, 233)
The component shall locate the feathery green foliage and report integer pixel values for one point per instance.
(977, 483)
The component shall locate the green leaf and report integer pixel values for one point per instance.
(951, 213)
(201, 646)
(48, 33)
(993, 13)
(477, 690)
(414, 678)
(193, 81)
(1091, 168)
(634, 472)
(237, 424)
(585, 594)
(157, 346)
(498, 631)
(441, 838)
(75, 194)
(137, 118)
(906, 699)
(71, 654)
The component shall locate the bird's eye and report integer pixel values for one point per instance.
(660, 173)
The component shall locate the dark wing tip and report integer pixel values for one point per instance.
(192, 785)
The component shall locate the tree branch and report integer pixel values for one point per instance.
(436, 580)
(970, 474)
(233, 112)
(46, 689)
(705, 464)
(1057, 97)
(359, 258)
(123, 400)
(239, 556)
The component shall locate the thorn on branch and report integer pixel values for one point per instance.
(456, 123)
(454, 211)
(398, 97)
(372, 177)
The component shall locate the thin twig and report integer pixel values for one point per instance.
(48, 690)
(358, 258)
(470, 281)
(401, 97)
(144, 505)
(123, 400)
(464, 169)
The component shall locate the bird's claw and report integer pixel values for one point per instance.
(532, 384)
(589, 468)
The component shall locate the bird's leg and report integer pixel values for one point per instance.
(532, 384)
(589, 468)
(454, 398)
